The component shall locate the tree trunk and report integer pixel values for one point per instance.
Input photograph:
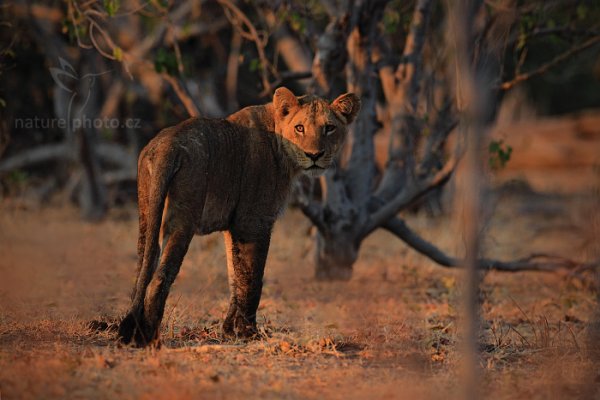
(347, 192)
(335, 255)
(354, 203)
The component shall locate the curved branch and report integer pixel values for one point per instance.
(239, 19)
(552, 63)
(314, 212)
(385, 212)
(113, 177)
(533, 262)
(183, 95)
(307, 205)
(35, 156)
(290, 76)
(116, 154)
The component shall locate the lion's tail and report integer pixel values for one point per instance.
(155, 192)
(154, 179)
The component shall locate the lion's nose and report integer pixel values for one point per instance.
(314, 156)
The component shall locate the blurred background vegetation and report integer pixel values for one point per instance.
(151, 64)
(198, 43)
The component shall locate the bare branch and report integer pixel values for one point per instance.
(399, 228)
(113, 97)
(404, 101)
(552, 63)
(385, 212)
(117, 155)
(534, 262)
(231, 82)
(136, 55)
(309, 207)
(38, 11)
(291, 76)
(197, 29)
(361, 81)
(35, 156)
(330, 57)
(563, 31)
(314, 212)
(297, 56)
(445, 123)
(113, 177)
(239, 20)
(181, 92)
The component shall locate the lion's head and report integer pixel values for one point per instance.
(312, 128)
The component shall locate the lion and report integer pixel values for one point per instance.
(232, 175)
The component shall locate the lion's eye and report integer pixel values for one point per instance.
(329, 129)
(299, 128)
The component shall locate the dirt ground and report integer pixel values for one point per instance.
(391, 332)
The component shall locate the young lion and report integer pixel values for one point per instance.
(230, 175)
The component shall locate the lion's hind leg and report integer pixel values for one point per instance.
(152, 194)
(178, 233)
(185, 202)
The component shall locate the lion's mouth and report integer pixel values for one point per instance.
(314, 170)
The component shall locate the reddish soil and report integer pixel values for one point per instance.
(391, 332)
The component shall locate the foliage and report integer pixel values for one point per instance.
(165, 61)
(499, 154)
(112, 6)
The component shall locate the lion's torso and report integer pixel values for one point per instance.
(243, 167)
(232, 175)
(247, 178)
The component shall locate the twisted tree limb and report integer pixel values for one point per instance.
(385, 211)
(533, 262)
(34, 156)
(402, 92)
(550, 64)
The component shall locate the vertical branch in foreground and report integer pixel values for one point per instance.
(591, 376)
(472, 99)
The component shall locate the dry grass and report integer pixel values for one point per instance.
(391, 332)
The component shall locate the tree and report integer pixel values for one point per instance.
(356, 201)
(170, 56)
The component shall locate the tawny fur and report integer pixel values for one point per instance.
(232, 175)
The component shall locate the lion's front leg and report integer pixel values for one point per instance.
(245, 264)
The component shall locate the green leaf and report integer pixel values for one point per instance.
(187, 28)
(499, 154)
(391, 21)
(118, 53)
(17, 176)
(255, 65)
(297, 22)
(69, 29)
(521, 41)
(111, 7)
(165, 61)
(494, 146)
(581, 11)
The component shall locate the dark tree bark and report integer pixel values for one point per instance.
(355, 201)
(347, 190)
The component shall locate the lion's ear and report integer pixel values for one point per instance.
(348, 105)
(284, 101)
